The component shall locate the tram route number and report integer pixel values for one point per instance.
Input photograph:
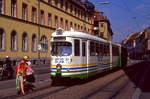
(59, 60)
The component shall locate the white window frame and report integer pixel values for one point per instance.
(24, 42)
(24, 11)
(14, 41)
(14, 8)
(2, 5)
(34, 43)
(34, 15)
(2, 39)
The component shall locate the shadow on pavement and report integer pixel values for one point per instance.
(139, 74)
(71, 82)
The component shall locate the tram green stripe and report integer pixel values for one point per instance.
(76, 71)
(84, 75)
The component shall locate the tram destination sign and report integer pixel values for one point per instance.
(59, 38)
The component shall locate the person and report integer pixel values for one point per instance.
(29, 75)
(8, 68)
(20, 76)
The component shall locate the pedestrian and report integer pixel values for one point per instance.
(20, 76)
(9, 69)
(29, 74)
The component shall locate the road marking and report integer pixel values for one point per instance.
(137, 93)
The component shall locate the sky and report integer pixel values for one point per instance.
(125, 16)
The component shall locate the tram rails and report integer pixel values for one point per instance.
(82, 91)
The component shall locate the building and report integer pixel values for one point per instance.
(138, 44)
(102, 27)
(26, 25)
(130, 44)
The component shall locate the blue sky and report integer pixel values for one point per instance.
(126, 16)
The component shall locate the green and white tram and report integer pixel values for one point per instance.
(80, 55)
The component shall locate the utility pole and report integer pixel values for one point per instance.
(39, 20)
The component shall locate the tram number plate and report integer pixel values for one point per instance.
(59, 60)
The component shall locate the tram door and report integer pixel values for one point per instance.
(84, 54)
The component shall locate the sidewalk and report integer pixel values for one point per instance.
(132, 62)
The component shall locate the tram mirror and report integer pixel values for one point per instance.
(50, 48)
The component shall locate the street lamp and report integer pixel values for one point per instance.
(104, 2)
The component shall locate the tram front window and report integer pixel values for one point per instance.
(61, 49)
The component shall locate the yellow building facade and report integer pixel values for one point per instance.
(26, 26)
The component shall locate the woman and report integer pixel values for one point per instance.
(21, 73)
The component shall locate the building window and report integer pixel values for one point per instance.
(50, 1)
(2, 39)
(66, 24)
(70, 24)
(75, 26)
(34, 15)
(75, 11)
(56, 21)
(61, 22)
(56, 2)
(78, 13)
(2, 3)
(81, 28)
(81, 14)
(14, 41)
(66, 6)
(34, 43)
(24, 11)
(44, 43)
(14, 8)
(78, 27)
(102, 25)
(71, 8)
(24, 42)
(61, 3)
(42, 17)
(49, 19)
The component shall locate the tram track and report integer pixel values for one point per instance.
(45, 91)
(54, 90)
(107, 88)
(100, 84)
(102, 88)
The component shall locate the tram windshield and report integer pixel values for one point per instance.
(61, 49)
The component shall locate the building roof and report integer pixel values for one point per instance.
(131, 37)
(79, 3)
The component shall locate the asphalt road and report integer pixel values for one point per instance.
(129, 83)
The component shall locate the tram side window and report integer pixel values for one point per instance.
(83, 49)
(108, 49)
(104, 50)
(92, 49)
(101, 49)
(115, 51)
(97, 48)
(76, 47)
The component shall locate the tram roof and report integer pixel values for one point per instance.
(77, 34)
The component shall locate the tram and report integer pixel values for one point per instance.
(80, 55)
